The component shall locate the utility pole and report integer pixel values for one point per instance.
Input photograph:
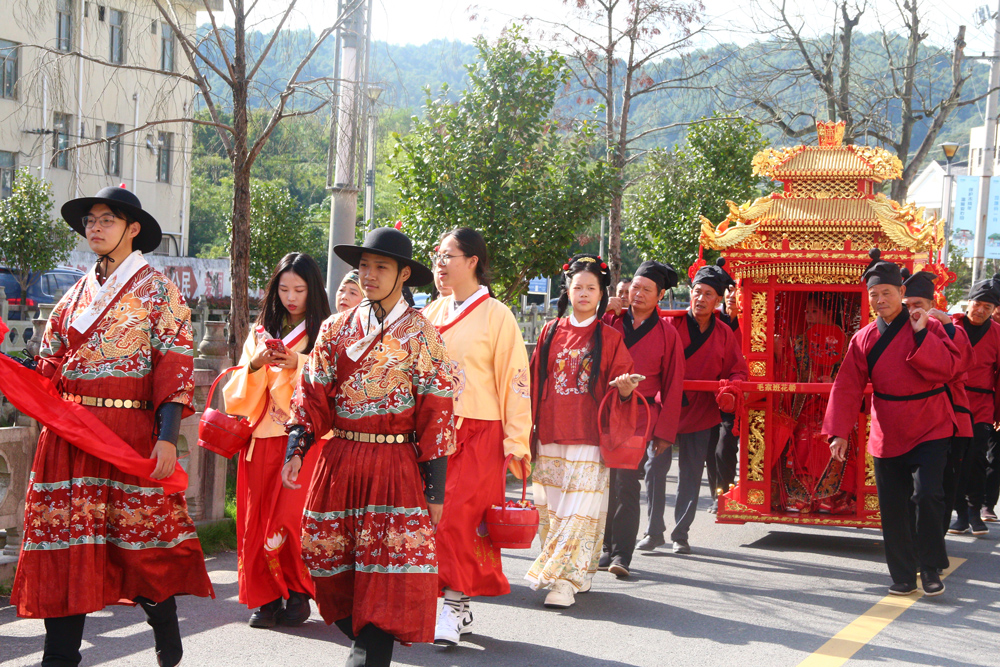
(989, 153)
(343, 144)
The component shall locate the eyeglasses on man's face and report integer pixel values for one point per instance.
(442, 259)
(106, 221)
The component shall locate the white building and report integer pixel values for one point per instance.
(73, 72)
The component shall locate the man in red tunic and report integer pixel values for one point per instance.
(119, 345)
(657, 353)
(711, 352)
(910, 432)
(920, 294)
(982, 386)
(378, 376)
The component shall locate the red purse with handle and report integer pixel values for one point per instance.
(224, 434)
(514, 524)
(618, 452)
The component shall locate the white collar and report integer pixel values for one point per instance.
(586, 323)
(106, 293)
(457, 308)
(371, 327)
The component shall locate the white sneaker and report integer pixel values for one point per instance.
(561, 596)
(586, 586)
(466, 616)
(449, 624)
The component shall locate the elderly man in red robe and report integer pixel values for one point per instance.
(982, 385)
(711, 352)
(656, 351)
(909, 360)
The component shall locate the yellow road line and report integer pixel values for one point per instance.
(862, 630)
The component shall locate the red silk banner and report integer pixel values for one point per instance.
(34, 395)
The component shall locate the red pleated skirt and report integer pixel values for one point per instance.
(368, 541)
(467, 560)
(94, 536)
(268, 524)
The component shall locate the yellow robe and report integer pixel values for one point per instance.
(490, 369)
(245, 392)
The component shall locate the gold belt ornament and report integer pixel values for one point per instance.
(379, 438)
(94, 402)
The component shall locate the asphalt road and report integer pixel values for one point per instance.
(748, 595)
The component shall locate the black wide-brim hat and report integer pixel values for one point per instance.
(391, 243)
(149, 236)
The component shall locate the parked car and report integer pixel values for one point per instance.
(420, 300)
(42, 288)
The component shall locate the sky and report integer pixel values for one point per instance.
(420, 21)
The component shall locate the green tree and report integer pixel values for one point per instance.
(678, 186)
(498, 162)
(31, 241)
(276, 229)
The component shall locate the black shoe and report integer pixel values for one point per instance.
(932, 584)
(162, 617)
(959, 526)
(682, 547)
(266, 616)
(650, 542)
(618, 568)
(976, 523)
(296, 611)
(902, 589)
(605, 562)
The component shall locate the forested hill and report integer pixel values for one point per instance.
(406, 70)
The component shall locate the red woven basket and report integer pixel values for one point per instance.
(514, 524)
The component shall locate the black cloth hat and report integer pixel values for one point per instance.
(881, 272)
(664, 275)
(920, 284)
(388, 242)
(714, 276)
(149, 235)
(987, 290)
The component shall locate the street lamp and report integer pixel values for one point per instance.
(949, 148)
(373, 93)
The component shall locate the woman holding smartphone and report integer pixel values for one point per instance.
(268, 516)
(577, 361)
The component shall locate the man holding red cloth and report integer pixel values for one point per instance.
(909, 360)
(119, 344)
(656, 351)
(711, 352)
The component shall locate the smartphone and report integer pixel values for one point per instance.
(635, 378)
(277, 345)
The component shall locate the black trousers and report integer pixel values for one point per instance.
(656, 471)
(722, 463)
(971, 487)
(911, 498)
(949, 482)
(372, 646)
(991, 494)
(622, 527)
(64, 635)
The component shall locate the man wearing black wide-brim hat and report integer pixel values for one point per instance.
(119, 346)
(380, 378)
(909, 359)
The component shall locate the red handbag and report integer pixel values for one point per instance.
(514, 524)
(224, 434)
(618, 453)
